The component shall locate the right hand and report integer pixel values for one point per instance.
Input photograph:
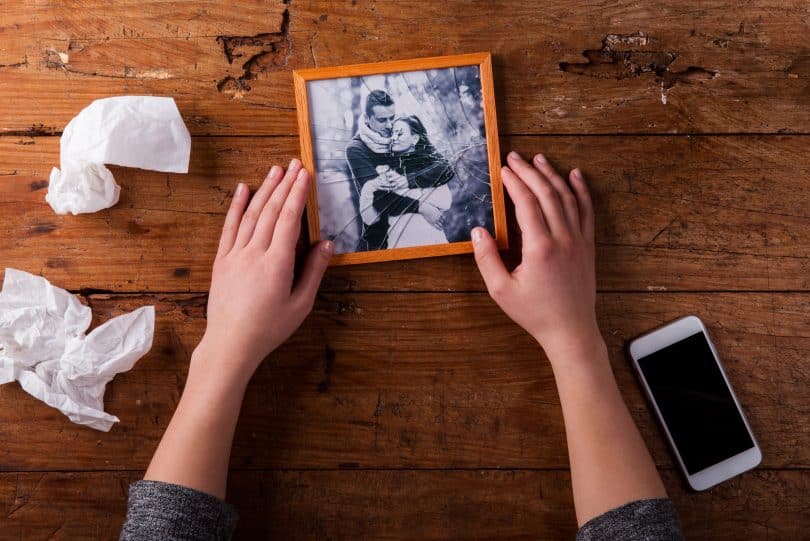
(552, 292)
(396, 181)
(432, 214)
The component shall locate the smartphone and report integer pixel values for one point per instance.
(681, 375)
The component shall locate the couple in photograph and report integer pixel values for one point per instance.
(400, 180)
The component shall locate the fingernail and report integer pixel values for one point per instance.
(274, 171)
(301, 175)
(477, 235)
(540, 158)
(327, 247)
(295, 162)
(240, 189)
(577, 173)
(505, 169)
(514, 155)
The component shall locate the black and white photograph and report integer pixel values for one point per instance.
(400, 159)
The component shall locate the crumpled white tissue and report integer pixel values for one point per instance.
(43, 345)
(132, 131)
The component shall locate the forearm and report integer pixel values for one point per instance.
(360, 166)
(392, 204)
(368, 213)
(195, 450)
(610, 464)
(436, 196)
(251, 284)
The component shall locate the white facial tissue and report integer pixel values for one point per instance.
(43, 346)
(132, 131)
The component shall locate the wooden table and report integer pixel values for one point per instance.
(408, 405)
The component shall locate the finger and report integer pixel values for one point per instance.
(585, 204)
(272, 208)
(254, 209)
(307, 286)
(288, 226)
(543, 190)
(527, 211)
(567, 198)
(489, 262)
(232, 219)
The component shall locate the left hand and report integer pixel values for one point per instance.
(395, 181)
(432, 214)
(254, 304)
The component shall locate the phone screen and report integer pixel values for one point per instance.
(696, 403)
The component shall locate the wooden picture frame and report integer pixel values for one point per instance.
(416, 67)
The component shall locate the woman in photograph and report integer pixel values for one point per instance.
(417, 172)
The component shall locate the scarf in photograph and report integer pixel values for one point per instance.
(373, 140)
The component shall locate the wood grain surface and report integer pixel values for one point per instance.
(561, 66)
(411, 504)
(673, 213)
(408, 406)
(371, 381)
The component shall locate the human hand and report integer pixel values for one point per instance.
(253, 305)
(552, 292)
(382, 180)
(396, 181)
(432, 214)
(389, 179)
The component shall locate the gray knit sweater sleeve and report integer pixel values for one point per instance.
(642, 520)
(164, 511)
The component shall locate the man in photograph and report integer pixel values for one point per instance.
(369, 152)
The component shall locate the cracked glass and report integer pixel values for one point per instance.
(400, 158)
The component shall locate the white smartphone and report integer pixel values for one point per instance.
(681, 374)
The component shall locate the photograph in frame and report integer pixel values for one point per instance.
(404, 157)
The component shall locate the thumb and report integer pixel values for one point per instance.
(489, 261)
(317, 261)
